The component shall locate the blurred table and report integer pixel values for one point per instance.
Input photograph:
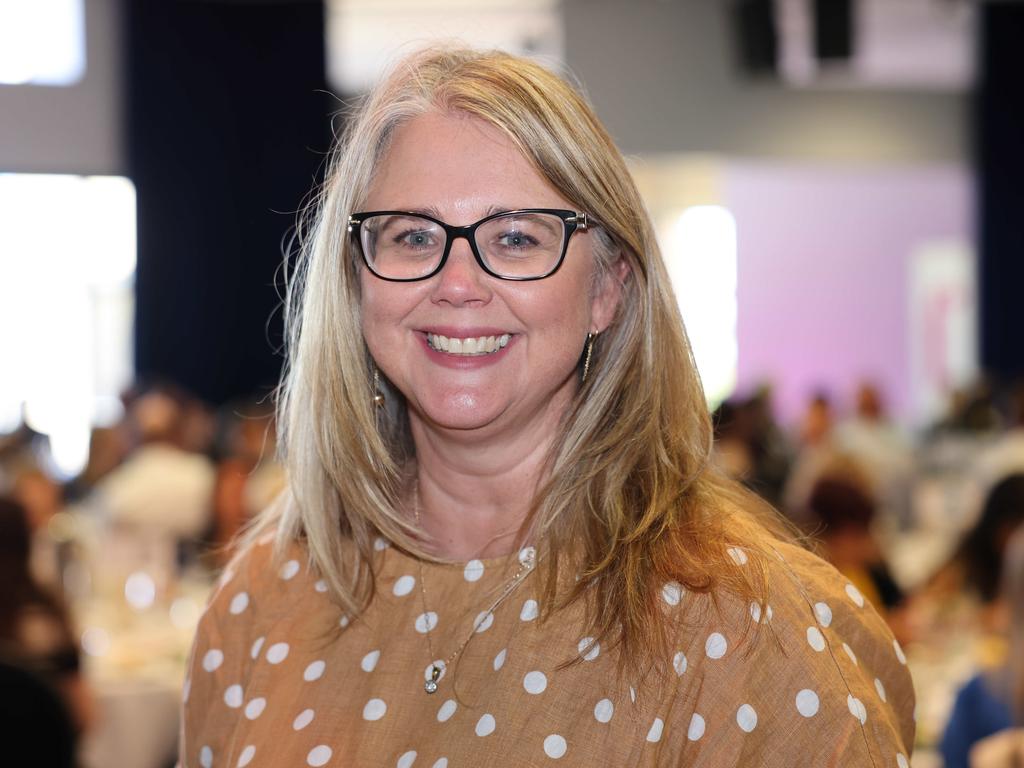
(135, 647)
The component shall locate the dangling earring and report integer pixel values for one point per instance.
(586, 355)
(378, 394)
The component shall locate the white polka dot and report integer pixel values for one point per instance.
(319, 756)
(320, 586)
(314, 671)
(403, 586)
(186, 689)
(255, 708)
(369, 662)
(246, 757)
(277, 653)
(899, 652)
(442, 762)
(289, 569)
(554, 746)
(483, 621)
(206, 757)
(380, 544)
(855, 595)
(213, 659)
(738, 555)
(255, 651)
(305, 717)
(499, 660)
(233, 696)
(632, 694)
(343, 621)
(901, 760)
(473, 571)
(768, 613)
(530, 610)
(850, 653)
(881, 689)
(446, 711)
(406, 760)
(746, 718)
(857, 708)
(603, 710)
(239, 603)
(755, 612)
(535, 682)
(823, 613)
(696, 729)
(592, 649)
(679, 663)
(485, 725)
(807, 703)
(815, 639)
(374, 709)
(672, 593)
(654, 734)
(426, 622)
(715, 647)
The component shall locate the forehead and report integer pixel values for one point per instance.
(458, 165)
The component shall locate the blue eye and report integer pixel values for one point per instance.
(516, 240)
(415, 239)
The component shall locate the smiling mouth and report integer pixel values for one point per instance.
(479, 345)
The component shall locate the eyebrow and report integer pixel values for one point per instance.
(434, 213)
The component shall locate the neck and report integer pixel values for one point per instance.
(473, 500)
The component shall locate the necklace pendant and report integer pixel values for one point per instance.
(431, 685)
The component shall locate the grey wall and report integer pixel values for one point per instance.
(74, 129)
(661, 75)
(659, 71)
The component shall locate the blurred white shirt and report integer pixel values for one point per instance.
(161, 488)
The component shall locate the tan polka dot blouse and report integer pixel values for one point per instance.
(280, 677)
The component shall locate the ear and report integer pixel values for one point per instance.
(608, 295)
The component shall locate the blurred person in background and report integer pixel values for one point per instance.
(249, 477)
(845, 512)
(161, 486)
(770, 449)
(732, 450)
(884, 452)
(975, 569)
(816, 449)
(42, 498)
(35, 630)
(992, 702)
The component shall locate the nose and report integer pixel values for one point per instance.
(461, 280)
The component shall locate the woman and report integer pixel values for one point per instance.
(503, 543)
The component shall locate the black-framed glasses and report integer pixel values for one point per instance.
(526, 244)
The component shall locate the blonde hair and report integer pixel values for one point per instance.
(630, 492)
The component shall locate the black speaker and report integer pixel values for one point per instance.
(833, 30)
(756, 38)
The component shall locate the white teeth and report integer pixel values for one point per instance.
(480, 345)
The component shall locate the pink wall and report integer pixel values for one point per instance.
(823, 256)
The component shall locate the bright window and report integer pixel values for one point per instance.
(42, 42)
(67, 261)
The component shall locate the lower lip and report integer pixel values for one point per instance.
(465, 362)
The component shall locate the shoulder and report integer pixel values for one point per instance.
(813, 660)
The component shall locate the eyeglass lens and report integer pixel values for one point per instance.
(518, 245)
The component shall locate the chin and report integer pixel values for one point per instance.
(463, 411)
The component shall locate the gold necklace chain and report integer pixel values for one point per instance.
(527, 561)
